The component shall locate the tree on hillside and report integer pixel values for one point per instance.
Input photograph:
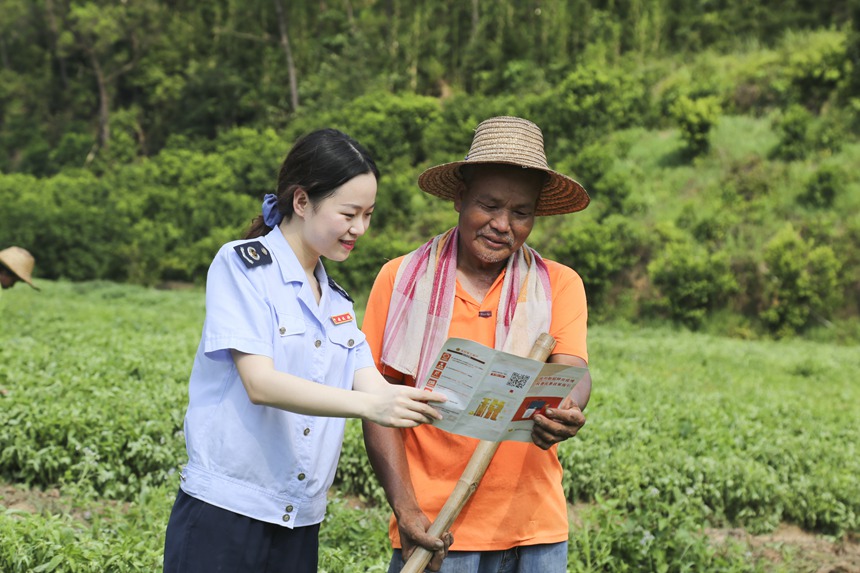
(853, 53)
(285, 44)
(112, 38)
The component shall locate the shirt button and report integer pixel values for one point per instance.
(307, 431)
(301, 477)
(286, 517)
(288, 508)
(318, 343)
(350, 342)
(282, 330)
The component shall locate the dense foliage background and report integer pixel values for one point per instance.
(718, 139)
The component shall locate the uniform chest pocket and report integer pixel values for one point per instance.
(347, 336)
(289, 325)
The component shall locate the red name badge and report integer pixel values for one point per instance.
(341, 318)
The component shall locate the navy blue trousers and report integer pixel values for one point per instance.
(202, 538)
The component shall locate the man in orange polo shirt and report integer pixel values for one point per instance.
(480, 281)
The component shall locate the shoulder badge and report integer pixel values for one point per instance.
(336, 287)
(254, 254)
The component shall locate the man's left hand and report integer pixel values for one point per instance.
(557, 424)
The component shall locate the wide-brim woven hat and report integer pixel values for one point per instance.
(509, 141)
(20, 262)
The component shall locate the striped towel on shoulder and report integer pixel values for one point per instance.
(422, 302)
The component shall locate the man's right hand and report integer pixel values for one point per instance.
(413, 528)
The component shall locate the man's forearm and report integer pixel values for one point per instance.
(388, 458)
(582, 391)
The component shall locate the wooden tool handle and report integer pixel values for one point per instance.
(468, 482)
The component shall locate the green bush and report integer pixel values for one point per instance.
(802, 282)
(801, 134)
(616, 192)
(142, 222)
(602, 253)
(587, 104)
(591, 163)
(696, 118)
(809, 68)
(611, 186)
(253, 157)
(712, 226)
(23, 213)
(750, 179)
(846, 242)
(823, 187)
(390, 126)
(793, 125)
(707, 75)
(833, 130)
(71, 150)
(813, 66)
(71, 223)
(691, 281)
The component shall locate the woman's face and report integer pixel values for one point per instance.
(333, 225)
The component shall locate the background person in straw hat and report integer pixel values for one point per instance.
(16, 264)
(480, 281)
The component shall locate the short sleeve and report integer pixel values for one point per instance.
(363, 356)
(569, 311)
(238, 315)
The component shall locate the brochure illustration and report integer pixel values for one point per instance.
(494, 395)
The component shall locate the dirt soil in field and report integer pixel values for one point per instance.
(18, 498)
(798, 549)
(788, 546)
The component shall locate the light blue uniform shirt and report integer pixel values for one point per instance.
(259, 461)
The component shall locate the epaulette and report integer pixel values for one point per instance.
(253, 254)
(337, 288)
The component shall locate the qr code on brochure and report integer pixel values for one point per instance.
(518, 380)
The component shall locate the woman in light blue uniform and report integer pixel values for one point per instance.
(281, 363)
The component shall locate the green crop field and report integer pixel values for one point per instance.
(687, 435)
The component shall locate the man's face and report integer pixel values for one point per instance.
(7, 277)
(497, 212)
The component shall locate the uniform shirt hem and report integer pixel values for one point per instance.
(250, 500)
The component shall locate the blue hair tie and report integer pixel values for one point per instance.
(271, 215)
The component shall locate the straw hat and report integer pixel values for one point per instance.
(511, 141)
(20, 262)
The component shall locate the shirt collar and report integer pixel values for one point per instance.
(288, 262)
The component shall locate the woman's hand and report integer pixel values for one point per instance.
(395, 405)
(402, 406)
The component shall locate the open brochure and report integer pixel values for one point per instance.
(493, 395)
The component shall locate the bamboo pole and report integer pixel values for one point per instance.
(471, 477)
